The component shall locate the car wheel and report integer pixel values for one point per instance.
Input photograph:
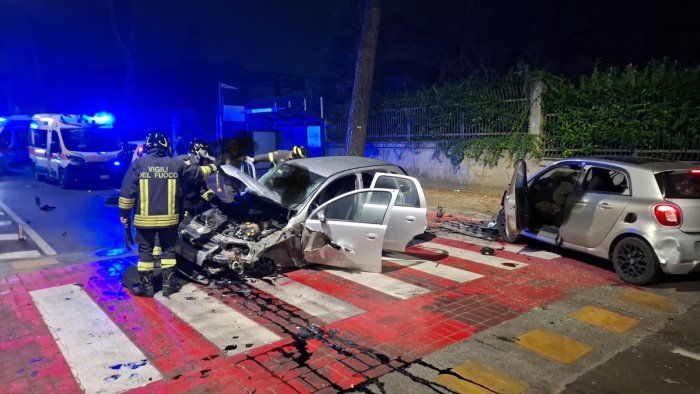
(635, 262)
(502, 231)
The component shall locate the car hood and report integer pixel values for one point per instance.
(252, 185)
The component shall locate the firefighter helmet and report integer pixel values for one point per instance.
(196, 146)
(298, 152)
(157, 140)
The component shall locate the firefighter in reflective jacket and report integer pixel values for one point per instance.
(197, 197)
(152, 188)
(279, 156)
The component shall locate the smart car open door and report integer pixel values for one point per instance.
(348, 231)
(408, 216)
(515, 203)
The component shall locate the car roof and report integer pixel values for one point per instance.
(327, 166)
(651, 164)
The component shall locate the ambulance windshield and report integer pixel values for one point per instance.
(91, 140)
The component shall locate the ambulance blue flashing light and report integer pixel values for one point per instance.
(103, 118)
(2, 119)
(260, 110)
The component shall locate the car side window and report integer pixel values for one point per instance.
(364, 207)
(337, 187)
(39, 138)
(604, 180)
(408, 192)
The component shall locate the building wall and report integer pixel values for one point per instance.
(440, 173)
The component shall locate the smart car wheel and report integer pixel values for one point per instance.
(635, 262)
(62, 179)
(502, 231)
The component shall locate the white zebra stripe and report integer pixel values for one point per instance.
(9, 237)
(432, 267)
(325, 307)
(520, 249)
(24, 254)
(385, 284)
(226, 328)
(100, 356)
(493, 261)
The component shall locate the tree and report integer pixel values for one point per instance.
(362, 88)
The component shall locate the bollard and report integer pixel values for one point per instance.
(20, 233)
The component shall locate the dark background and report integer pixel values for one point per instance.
(64, 56)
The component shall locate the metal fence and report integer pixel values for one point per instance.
(438, 122)
(679, 145)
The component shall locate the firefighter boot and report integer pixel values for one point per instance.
(145, 288)
(170, 283)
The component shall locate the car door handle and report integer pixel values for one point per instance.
(605, 205)
(410, 218)
(371, 236)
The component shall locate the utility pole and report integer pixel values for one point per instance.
(364, 72)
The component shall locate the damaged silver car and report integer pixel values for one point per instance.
(340, 211)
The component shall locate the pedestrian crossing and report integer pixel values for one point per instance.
(13, 238)
(93, 342)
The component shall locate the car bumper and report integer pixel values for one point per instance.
(678, 252)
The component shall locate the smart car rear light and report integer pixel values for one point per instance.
(668, 215)
(695, 171)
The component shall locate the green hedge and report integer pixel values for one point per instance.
(656, 108)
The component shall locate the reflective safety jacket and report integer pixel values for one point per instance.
(153, 186)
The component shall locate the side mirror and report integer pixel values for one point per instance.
(321, 216)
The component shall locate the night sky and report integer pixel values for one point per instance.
(64, 56)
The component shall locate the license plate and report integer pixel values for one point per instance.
(104, 176)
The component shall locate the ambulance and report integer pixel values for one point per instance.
(72, 149)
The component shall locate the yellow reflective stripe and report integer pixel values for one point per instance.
(145, 266)
(208, 195)
(126, 203)
(206, 170)
(171, 196)
(157, 251)
(143, 188)
(156, 220)
(167, 263)
(271, 157)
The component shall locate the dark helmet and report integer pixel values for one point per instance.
(298, 152)
(157, 140)
(196, 146)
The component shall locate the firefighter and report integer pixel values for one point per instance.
(197, 198)
(233, 157)
(279, 156)
(152, 188)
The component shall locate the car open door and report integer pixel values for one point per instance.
(348, 231)
(408, 216)
(515, 203)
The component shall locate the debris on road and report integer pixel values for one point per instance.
(487, 231)
(44, 207)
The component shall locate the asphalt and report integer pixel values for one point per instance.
(646, 341)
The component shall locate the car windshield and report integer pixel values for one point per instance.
(91, 140)
(293, 184)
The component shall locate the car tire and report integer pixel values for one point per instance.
(502, 231)
(635, 261)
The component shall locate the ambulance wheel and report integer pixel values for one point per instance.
(63, 179)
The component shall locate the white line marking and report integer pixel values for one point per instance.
(432, 267)
(101, 357)
(9, 237)
(687, 353)
(5, 223)
(226, 328)
(526, 250)
(493, 261)
(385, 284)
(325, 307)
(24, 254)
(48, 250)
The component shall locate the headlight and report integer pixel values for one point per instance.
(75, 160)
